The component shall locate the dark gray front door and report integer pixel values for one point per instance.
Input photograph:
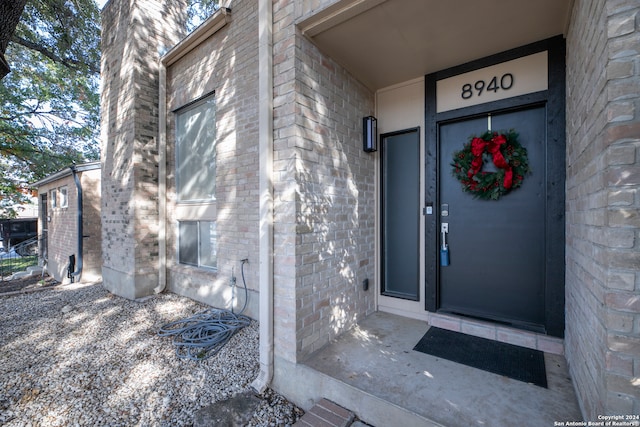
(496, 248)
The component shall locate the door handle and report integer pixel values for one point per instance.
(444, 250)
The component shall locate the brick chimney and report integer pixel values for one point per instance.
(135, 33)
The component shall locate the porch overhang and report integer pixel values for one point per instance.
(385, 42)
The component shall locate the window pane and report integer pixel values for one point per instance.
(208, 245)
(64, 201)
(188, 242)
(196, 152)
(53, 199)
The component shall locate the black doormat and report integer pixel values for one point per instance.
(500, 358)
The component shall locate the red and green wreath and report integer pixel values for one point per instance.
(508, 157)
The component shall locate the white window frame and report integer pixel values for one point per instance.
(54, 198)
(195, 161)
(206, 255)
(64, 196)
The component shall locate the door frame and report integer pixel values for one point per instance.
(392, 304)
(554, 99)
(400, 107)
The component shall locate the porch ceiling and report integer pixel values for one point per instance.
(384, 42)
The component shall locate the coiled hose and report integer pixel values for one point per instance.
(204, 334)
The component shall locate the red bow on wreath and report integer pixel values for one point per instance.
(509, 157)
(478, 147)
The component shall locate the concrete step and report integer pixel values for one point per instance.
(325, 413)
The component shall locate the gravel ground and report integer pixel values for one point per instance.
(78, 355)
(26, 284)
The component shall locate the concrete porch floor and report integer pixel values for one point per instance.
(374, 365)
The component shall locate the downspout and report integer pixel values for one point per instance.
(162, 177)
(78, 273)
(265, 153)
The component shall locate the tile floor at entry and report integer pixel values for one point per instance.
(377, 357)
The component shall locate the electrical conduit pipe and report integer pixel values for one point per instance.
(265, 152)
(80, 230)
(162, 178)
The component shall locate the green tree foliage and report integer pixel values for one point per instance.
(198, 11)
(49, 102)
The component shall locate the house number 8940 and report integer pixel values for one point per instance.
(495, 84)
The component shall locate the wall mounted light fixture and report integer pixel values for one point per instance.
(369, 134)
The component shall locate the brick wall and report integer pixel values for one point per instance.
(285, 133)
(603, 171)
(62, 229)
(134, 34)
(92, 224)
(324, 193)
(325, 206)
(226, 63)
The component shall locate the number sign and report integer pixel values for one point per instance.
(505, 80)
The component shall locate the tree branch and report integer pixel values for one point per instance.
(69, 63)
(45, 115)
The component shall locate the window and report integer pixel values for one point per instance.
(64, 200)
(54, 199)
(17, 227)
(197, 244)
(196, 183)
(196, 151)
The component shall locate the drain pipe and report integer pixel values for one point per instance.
(162, 177)
(265, 153)
(78, 273)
